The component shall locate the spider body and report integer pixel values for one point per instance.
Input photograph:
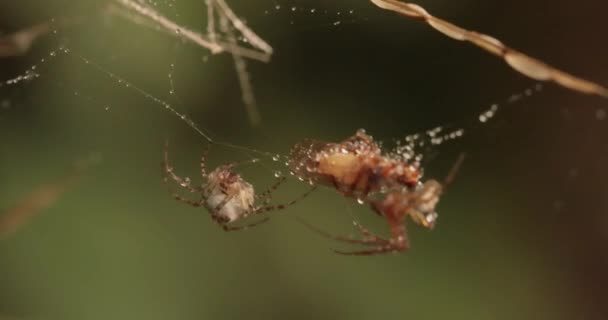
(419, 204)
(226, 195)
(395, 205)
(229, 196)
(355, 167)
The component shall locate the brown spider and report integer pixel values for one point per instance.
(356, 167)
(419, 204)
(226, 195)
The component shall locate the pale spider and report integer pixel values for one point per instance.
(419, 204)
(225, 194)
(355, 167)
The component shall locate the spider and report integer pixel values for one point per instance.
(419, 204)
(356, 166)
(226, 195)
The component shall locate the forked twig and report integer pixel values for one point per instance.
(519, 61)
(243, 75)
(255, 40)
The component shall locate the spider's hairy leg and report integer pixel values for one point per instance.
(266, 195)
(184, 182)
(370, 238)
(284, 206)
(378, 250)
(204, 161)
(193, 203)
(168, 173)
(398, 241)
(229, 228)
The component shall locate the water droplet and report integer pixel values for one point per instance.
(431, 218)
(276, 157)
(360, 201)
(278, 174)
(186, 182)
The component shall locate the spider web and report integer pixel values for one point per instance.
(144, 14)
(334, 67)
(220, 31)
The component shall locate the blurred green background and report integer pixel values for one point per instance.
(522, 232)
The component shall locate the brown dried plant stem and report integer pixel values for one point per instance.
(228, 20)
(42, 197)
(519, 61)
(263, 54)
(37, 200)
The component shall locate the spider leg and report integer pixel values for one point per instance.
(229, 228)
(377, 241)
(265, 196)
(168, 173)
(240, 163)
(204, 161)
(378, 250)
(366, 233)
(398, 242)
(187, 201)
(284, 205)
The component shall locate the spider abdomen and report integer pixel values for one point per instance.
(231, 199)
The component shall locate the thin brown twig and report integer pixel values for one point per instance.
(42, 197)
(243, 75)
(214, 46)
(519, 61)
